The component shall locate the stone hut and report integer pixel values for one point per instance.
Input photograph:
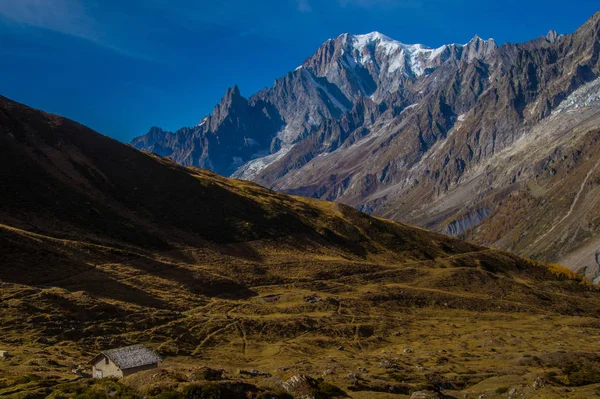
(122, 362)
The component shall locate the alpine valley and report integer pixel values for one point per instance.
(249, 293)
(495, 144)
(301, 274)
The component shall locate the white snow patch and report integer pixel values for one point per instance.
(350, 60)
(331, 97)
(476, 39)
(411, 106)
(252, 168)
(397, 63)
(408, 58)
(433, 55)
(587, 95)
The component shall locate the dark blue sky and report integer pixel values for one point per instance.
(121, 66)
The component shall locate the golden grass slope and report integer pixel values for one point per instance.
(103, 246)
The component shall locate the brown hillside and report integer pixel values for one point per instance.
(103, 245)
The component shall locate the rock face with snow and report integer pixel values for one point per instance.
(374, 65)
(493, 143)
(249, 134)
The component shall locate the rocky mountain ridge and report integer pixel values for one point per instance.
(435, 137)
(326, 86)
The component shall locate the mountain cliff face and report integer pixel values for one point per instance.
(493, 143)
(221, 141)
(324, 88)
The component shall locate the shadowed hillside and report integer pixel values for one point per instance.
(103, 245)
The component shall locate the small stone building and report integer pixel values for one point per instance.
(122, 362)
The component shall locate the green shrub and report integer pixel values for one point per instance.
(584, 377)
(582, 373)
(94, 389)
(168, 395)
(205, 391)
(274, 393)
(326, 390)
(26, 379)
(502, 390)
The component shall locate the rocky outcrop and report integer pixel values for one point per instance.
(234, 133)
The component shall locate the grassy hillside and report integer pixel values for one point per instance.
(103, 245)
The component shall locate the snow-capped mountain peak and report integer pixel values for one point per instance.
(388, 54)
(376, 38)
(344, 71)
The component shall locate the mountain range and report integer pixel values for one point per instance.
(492, 143)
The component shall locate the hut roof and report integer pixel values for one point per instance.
(131, 356)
